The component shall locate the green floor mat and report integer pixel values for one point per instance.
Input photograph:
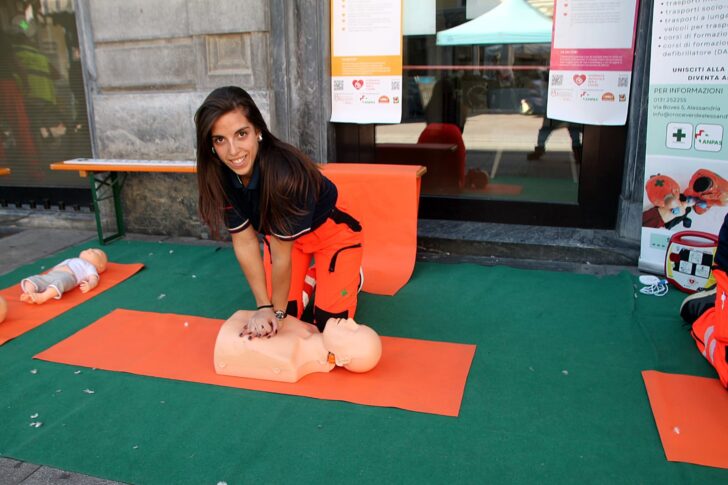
(554, 395)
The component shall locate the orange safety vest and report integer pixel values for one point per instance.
(710, 331)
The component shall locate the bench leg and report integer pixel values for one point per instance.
(114, 184)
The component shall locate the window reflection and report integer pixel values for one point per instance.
(42, 102)
(475, 116)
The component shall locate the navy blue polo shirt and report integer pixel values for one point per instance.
(244, 207)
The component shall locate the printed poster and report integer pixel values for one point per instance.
(366, 61)
(686, 166)
(591, 61)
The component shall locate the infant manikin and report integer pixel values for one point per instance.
(82, 271)
(297, 350)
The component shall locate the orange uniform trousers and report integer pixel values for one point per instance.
(336, 249)
(710, 331)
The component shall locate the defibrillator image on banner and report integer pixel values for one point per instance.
(689, 260)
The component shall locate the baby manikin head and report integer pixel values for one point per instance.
(96, 257)
(356, 347)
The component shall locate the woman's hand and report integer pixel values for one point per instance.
(263, 323)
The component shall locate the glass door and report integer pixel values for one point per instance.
(474, 113)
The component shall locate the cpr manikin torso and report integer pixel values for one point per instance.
(297, 350)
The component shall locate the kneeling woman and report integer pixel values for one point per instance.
(251, 182)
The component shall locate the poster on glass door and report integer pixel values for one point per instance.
(592, 49)
(366, 61)
(686, 165)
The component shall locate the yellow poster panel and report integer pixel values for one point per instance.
(366, 61)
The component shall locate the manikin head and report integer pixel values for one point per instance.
(3, 309)
(356, 347)
(96, 257)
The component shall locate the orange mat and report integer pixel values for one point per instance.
(690, 413)
(416, 375)
(385, 199)
(22, 317)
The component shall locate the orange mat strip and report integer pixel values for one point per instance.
(416, 375)
(384, 198)
(690, 413)
(496, 189)
(22, 317)
(503, 189)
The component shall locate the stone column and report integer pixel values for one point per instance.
(300, 75)
(629, 216)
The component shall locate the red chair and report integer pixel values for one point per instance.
(447, 133)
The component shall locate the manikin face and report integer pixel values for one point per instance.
(356, 347)
(96, 257)
(235, 141)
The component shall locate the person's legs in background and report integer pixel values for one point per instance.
(543, 134)
(576, 144)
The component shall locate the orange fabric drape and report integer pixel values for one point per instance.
(384, 198)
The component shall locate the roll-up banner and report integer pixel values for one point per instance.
(686, 166)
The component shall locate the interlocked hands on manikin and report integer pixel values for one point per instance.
(263, 323)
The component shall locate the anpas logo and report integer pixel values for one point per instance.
(708, 138)
(586, 96)
(365, 99)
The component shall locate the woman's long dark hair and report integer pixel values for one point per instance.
(289, 177)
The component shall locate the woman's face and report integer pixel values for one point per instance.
(235, 141)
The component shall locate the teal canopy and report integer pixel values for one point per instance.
(511, 22)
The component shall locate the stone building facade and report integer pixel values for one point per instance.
(149, 65)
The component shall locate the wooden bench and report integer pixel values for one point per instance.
(108, 177)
